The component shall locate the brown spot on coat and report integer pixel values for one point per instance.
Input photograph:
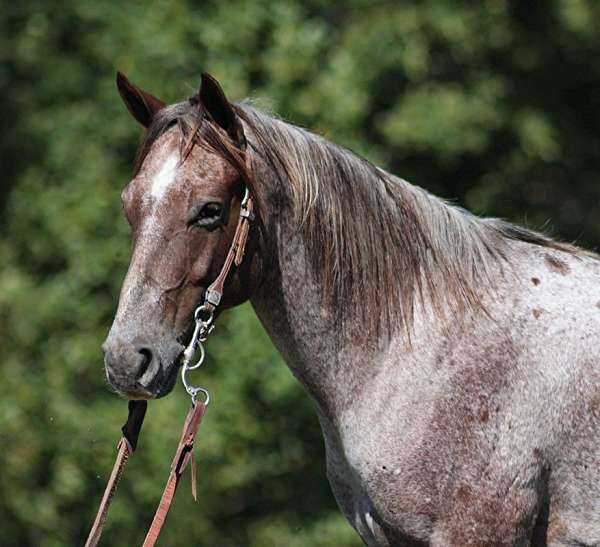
(484, 416)
(464, 494)
(536, 312)
(535, 281)
(598, 304)
(556, 265)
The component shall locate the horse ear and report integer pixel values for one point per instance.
(216, 104)
(142, 105)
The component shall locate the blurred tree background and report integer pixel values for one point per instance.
(493, 103)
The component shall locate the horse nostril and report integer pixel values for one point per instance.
(144, 361)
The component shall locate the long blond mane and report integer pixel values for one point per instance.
(376, 243)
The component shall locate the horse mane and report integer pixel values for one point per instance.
(377, 244)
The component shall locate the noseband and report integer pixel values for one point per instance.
(184, 455)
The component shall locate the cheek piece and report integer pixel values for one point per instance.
(204, 314)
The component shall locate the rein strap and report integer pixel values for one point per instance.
(126, 447)
(183, 456)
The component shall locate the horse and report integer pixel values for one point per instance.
(452, 360)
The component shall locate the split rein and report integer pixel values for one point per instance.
(184, 455)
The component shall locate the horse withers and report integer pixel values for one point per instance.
(452, 360)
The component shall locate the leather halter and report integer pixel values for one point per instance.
(184, 454)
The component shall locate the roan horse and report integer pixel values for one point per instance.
(452, 360)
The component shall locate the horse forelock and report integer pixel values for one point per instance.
(377, 245)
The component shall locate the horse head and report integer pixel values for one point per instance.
(182, 205)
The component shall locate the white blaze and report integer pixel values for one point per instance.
(165, 177)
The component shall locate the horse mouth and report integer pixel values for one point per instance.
(165, 380)
(160, 385)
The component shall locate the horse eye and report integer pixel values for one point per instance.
(210, 215)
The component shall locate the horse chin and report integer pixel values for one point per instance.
(134, 394)
(137, 396)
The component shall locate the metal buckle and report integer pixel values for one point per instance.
(213, 297)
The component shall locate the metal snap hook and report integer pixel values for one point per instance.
(204, 318)
(203, 309)
(199, 346)
(201, 330)
(191, 390)
(196, 391)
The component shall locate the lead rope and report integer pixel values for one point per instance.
(184, 455)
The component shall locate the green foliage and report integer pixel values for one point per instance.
(494, 103)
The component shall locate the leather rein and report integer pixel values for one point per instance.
(184, 455)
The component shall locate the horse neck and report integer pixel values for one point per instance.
(291, 306)
(423, 270)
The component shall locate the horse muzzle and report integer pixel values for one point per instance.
(138, 369)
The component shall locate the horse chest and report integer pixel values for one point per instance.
(392, 464)
(375, 483)
(383, 507)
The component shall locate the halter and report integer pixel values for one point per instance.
(204, 323)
